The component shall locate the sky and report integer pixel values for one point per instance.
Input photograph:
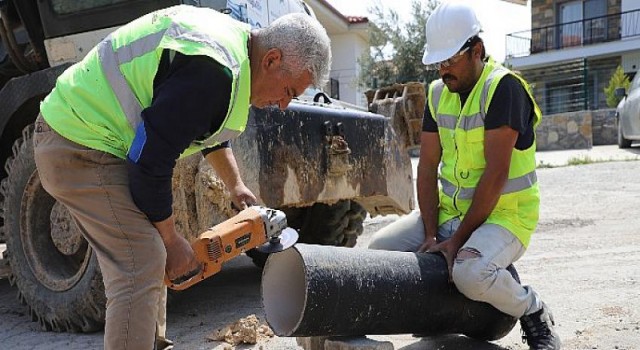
(498, 18)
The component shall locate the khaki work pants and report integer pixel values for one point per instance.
(483, 278)
(94, 186)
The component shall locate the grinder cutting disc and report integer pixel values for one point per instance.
(287, 238)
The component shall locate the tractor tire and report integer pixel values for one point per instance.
(53, 266)
(338, 224)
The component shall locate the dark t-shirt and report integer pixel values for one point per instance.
(190, 101)
(510, 106)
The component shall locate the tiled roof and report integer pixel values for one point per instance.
(349, 19)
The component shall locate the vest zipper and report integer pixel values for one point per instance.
(455, 166)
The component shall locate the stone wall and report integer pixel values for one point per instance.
(604, 127)
(576, 130)
(565, 131)
(542, 13)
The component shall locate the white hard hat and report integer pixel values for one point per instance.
(449, 26)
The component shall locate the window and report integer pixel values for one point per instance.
(582, 22)
(335, 88)
(571, 23)
(595, 25)
(565, 96)
(557, 98)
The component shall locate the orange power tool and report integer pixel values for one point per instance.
(255, 227)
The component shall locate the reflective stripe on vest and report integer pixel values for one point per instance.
(512, 185)
(111, 60)
(485, 89)
(468, 123)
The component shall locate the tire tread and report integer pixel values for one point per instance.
(73, 319)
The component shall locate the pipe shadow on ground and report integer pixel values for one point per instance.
(457, 342)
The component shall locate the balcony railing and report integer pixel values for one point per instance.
(613, 27)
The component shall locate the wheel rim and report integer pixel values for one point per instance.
(53, 246)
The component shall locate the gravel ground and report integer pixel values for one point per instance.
(584, 260)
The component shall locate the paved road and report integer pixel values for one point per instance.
(584, 260)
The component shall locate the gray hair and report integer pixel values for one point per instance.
(304, 43)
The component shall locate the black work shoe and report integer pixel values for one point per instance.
(537, 330)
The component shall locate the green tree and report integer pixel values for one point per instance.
(618, 79)
(396, 48)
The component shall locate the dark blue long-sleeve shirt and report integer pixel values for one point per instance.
(190, 101)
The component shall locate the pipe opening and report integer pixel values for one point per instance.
(284, 291)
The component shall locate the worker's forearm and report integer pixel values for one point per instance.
(167, 230)
(224, 164)
(428, 200)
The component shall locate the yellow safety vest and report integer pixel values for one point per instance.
(461, 131)
(97, 102)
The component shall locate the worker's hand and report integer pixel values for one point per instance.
(449, 249)
(242, 197)
(427, 244)
(181, 260)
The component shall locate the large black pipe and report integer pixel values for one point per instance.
(312, 290)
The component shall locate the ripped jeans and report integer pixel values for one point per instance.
(481, 274)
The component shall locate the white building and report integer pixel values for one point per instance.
(573, 48)
(349, 41)
(349, 37)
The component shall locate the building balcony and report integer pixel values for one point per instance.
(594, 37)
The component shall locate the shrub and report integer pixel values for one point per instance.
(618, 79)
